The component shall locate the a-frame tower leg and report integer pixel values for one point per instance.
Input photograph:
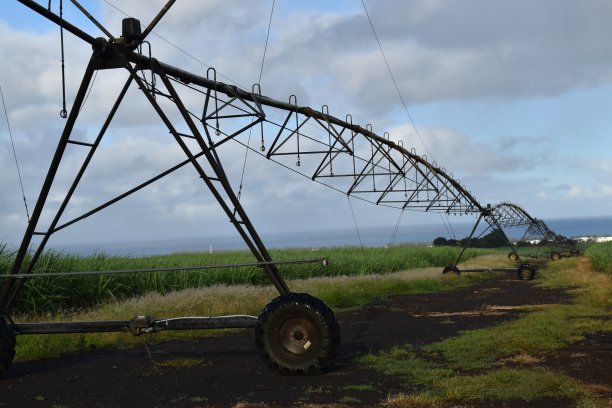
(11, 287)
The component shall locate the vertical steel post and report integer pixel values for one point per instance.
(469, 239)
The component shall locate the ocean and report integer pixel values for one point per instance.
(369, 236)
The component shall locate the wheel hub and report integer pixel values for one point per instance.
(296, 336)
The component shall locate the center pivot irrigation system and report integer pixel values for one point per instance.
(507, 216)
(513, 216)
(295, 333)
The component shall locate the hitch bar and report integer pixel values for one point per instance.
(138, 325)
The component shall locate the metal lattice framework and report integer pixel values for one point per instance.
(513, 216)
(508, 217)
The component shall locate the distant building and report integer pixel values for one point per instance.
(593, 239)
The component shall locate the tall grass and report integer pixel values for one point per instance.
(601, 256)
(52, 294)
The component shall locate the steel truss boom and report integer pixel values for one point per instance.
(513, 216)
(332, 151)
(506, 216)
(510, 215)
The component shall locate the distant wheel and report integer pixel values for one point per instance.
(7, 344)
(526, 272)
(452, 270)
(513, 256)
(297, 334)
(555, 256)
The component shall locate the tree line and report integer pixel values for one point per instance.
(493, 239)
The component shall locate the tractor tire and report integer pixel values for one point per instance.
(513, 256)
(7, 344)
(451, 270)
(526, 272)
(555, 256)
(297, 334)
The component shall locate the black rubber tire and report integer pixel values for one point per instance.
(513, 256)
(452, 270)
(7, 344)
(297, 334)
(555, 256)
(526, 272)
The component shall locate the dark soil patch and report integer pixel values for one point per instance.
(589, 360)
(229, 370)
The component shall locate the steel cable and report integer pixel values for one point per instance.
(399, 93)
(263, 59)
(8, 124)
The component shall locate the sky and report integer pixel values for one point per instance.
(513, 98)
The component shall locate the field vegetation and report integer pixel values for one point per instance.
(56, 294)
(601, 256)
(339, 292)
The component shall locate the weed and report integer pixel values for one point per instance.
(413, 401)
(510, 383)
(523, 359)
(182, 362)
(402, 361)
(358, 387)
(350, 401)
(319, 389)
(198, 399)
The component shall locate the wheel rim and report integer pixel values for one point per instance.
(297, 336)
(450, 269)
(526, 272)
(7, 343)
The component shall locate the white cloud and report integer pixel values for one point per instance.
(596, 192)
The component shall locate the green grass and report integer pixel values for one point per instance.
(403, 361)
(536, 334)
(361, 292)
(504, 362)
(442, 385)
(55, 294)
(601, 256)
(511, 384)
